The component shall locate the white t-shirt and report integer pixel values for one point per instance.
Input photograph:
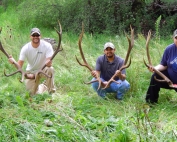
(36, 57)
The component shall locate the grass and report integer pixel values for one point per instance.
(75, 110)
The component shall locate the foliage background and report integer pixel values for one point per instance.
(99, 16)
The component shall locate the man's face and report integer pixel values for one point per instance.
(109, 52)
(35, 38)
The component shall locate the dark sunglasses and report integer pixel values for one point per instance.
(35, 35)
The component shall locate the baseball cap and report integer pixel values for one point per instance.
(35, 30)
(109, 44)
(175, 33)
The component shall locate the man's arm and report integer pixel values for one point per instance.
(20, 62)
(120, 75)
(48, 62)
(95, 73)
(158, 67)
(12, 61)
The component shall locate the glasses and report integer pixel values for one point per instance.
(35, 35)
(176, 37)
(109, 48)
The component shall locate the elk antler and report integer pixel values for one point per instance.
(59, 48)
(165, 79)
(85, 62)
(125, 65)
(19, 69)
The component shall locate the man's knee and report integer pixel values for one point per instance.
(31, 85)
(125, 86)
(95, 84)
(50, 70)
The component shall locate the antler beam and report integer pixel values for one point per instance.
(84, 60)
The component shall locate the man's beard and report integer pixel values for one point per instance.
(110, 56)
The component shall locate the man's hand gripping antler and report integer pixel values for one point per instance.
(151, 67)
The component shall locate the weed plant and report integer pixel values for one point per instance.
(76, 112)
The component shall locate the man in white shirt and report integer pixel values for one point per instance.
(37, 52)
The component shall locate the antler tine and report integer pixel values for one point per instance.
(81, 52)
(147, 47)
(147, 50)
(59, 48)
(19, 69)
(96, 80)
(165, 79)
(125, 65)
(2, 49)
(84, 60)
(131, 44)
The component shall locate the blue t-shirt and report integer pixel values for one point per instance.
(107, 68)
(169, 59)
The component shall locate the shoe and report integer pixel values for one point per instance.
(102, 95)
(150, 102)
(119, 96)
(41, 89)
(52, 91)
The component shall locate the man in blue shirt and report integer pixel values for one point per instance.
(106, 66)
(168, 66)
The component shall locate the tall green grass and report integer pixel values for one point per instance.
(75, 110)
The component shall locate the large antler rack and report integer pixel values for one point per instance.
(164, 78)
(59, 48)
(125, 65)
(19, 69)
(85, 62)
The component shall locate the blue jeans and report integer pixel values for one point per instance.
(120, 89)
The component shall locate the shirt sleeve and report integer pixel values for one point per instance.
(164, 58)
(22, 55)
(50, 51)
(123, 71)
(98, 64)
